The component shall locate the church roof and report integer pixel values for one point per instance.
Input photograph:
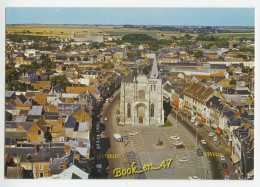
(154, 72)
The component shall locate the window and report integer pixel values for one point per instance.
(40, 167)
(154, 87)
(141, 94)
(151, 87)
(152, 110)
(41, 174)
(128, 110)
(39, 132)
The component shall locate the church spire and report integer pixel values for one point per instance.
(154, 72)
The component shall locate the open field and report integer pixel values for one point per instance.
(64, 31)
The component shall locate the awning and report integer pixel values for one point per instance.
(234, 158)
(203, 119)
(218, 130)
(176, 103)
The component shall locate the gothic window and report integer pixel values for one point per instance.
(152, 110)
(154, 87)
(141, 94)
(151, 87)
(128, 110)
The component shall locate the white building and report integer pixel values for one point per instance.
(141, 99)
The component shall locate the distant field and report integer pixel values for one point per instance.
(64, 31)
(237, 35)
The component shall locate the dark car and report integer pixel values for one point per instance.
(217, 143)
(224, 165)
(124, 136)
(180, 146)
(200, 125)
(200, 152)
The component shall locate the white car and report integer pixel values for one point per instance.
(175, 138)
(222, 158)
(215, 139)
(196, 123)
(105, 118)
(194, 178)
(107, 100)
(133, 133)
(203, 142)
(177, 143)
(211, 134)
(184, 159)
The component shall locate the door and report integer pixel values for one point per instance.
(141, 119)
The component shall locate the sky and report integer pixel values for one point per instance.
(134, 16)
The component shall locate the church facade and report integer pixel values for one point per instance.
(141, 99)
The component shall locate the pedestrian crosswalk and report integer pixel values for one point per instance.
(213, 154)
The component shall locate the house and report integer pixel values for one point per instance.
(82, 130)
(28, 77)
(69, 126)
(195, 97)
(37, 131)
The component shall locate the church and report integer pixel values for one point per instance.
(141, 99)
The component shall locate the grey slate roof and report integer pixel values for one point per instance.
(70, 122)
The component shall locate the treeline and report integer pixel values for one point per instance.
(19, 38)
(138, 39)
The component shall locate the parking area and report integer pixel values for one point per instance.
(144, 146)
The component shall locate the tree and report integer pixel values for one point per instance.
(198, 54)
(71, 58)
(11, 75)
(187, 37)
(60, 80)
(78, 58)
(204, 80)
(233, 81)
(134, 73)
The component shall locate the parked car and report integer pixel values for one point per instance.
(222, 158)
(97, 137)
(118, 137)
(196, 123)
(226, 173)
(180, 146)
(184, 159)
(107, 100)
(203, 142)
(217, 143)
(133, 133)
(131, 153)
(211, 134)
(224, 165)
(193, 178)
(200, 152)
(105, 118)
(200, 125)
(125, 137)
(226, 177)
(215, 139)
(175, 138)
(177, 143)
(97, 146)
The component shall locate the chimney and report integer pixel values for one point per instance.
(50, 146)
(52, 90)
(41, 144)
(35, 149)
(51, 160)
(60, 94)
(80, 144)
(58, 155)
(64, 165)
(210, 103)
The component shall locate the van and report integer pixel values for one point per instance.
(192, 119)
